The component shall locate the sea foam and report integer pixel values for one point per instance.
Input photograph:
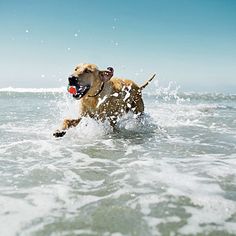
(34, 90)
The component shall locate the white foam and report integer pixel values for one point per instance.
(91, 168)
(34, 90)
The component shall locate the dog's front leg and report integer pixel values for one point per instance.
(67, 123)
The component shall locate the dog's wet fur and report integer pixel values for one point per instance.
(107, 98)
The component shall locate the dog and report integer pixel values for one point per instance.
(102, 97)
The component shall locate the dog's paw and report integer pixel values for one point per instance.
(59, 133)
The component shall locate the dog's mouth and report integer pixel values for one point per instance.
(76, 88)
(78, 91)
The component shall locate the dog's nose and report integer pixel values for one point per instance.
(72, 80)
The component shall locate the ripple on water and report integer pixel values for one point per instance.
(173, 173)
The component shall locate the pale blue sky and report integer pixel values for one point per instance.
(191, 42)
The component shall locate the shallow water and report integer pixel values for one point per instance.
(172, 174)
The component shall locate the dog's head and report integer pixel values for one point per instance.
(87, 78)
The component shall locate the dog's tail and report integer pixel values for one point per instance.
(145, 84)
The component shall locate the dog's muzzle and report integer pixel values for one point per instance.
(76, 89)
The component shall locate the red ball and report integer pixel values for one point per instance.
(72, 90)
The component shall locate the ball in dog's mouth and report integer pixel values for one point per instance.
(78, 91)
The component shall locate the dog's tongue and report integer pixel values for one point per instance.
(72, 90)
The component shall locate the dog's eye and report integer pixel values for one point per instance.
(87, 71)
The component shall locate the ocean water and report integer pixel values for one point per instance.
(173, 173)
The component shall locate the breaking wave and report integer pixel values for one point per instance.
(33, 90)
(170, 173)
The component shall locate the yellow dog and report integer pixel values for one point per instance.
(102, 97)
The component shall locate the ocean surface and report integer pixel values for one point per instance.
(173, 173)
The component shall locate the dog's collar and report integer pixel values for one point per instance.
(99, 91)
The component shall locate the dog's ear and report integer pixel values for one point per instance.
(106, 75)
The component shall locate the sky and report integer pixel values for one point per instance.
(190, 42)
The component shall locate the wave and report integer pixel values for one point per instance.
(207, 96)
(190, 96)
(33, 90)
(165, 94)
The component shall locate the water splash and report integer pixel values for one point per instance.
(171, 172)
